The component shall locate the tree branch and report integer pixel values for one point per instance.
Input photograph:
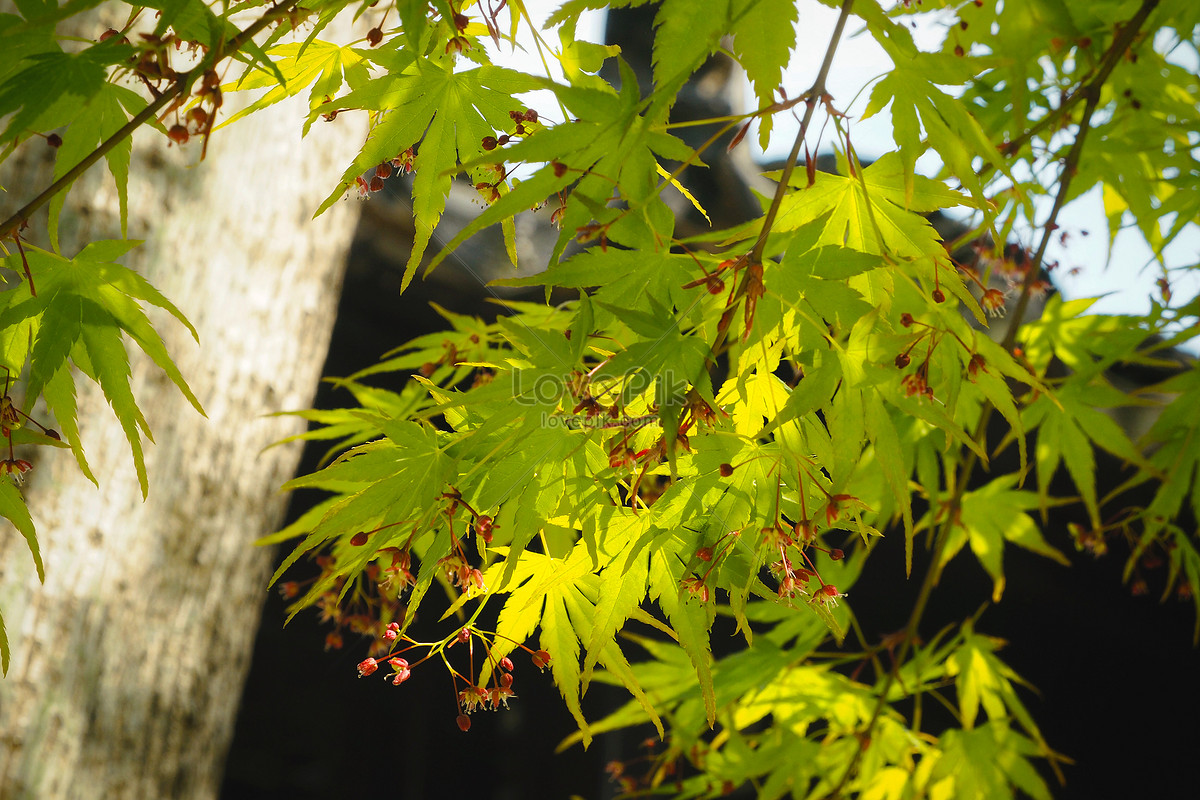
(1091, 92)
(181, 86)
(815, 93)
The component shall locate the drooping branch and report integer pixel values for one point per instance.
(178, 88)
(1091, 93)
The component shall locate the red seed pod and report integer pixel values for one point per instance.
(461, 21)
(374, 37)
(427, 369)
(976, 364)
(836, 554)
(506, 680)
(198, 117)
(489, 143)
(714, 285)
(938, 296)
(726, 470)
(108, 34)
(906, 319)
(464, 723)
(902, 360)
(376, 183)
(560, 169)
(531, 115)
(178, 134)
(483, 527)
(704, 554)
(384, 170)
(359, 539)
(506, 663)
(54, 140)
(737, 137)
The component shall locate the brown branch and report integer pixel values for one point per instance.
(1116, 52)
(181, 86)
(810, 98)
(1091, 93)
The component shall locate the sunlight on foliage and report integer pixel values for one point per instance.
(687, 433)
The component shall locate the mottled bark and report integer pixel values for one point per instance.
(128, 662)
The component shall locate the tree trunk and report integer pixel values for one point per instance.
(128, 662)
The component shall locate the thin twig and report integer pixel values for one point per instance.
(810, 99)
(1115, 53)
(971, 459)
(181, 86)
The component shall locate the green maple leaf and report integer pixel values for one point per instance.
(764, 33)
(99, 118)
(20, 39)
(54, 89)
(449, 113)
(949, 125)
(986, 763)
(324, 66)
(13, 508)
(993, 515)
(683, 40)
(690, 622)
(84, 308)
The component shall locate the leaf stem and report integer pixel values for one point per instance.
(181, 86)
